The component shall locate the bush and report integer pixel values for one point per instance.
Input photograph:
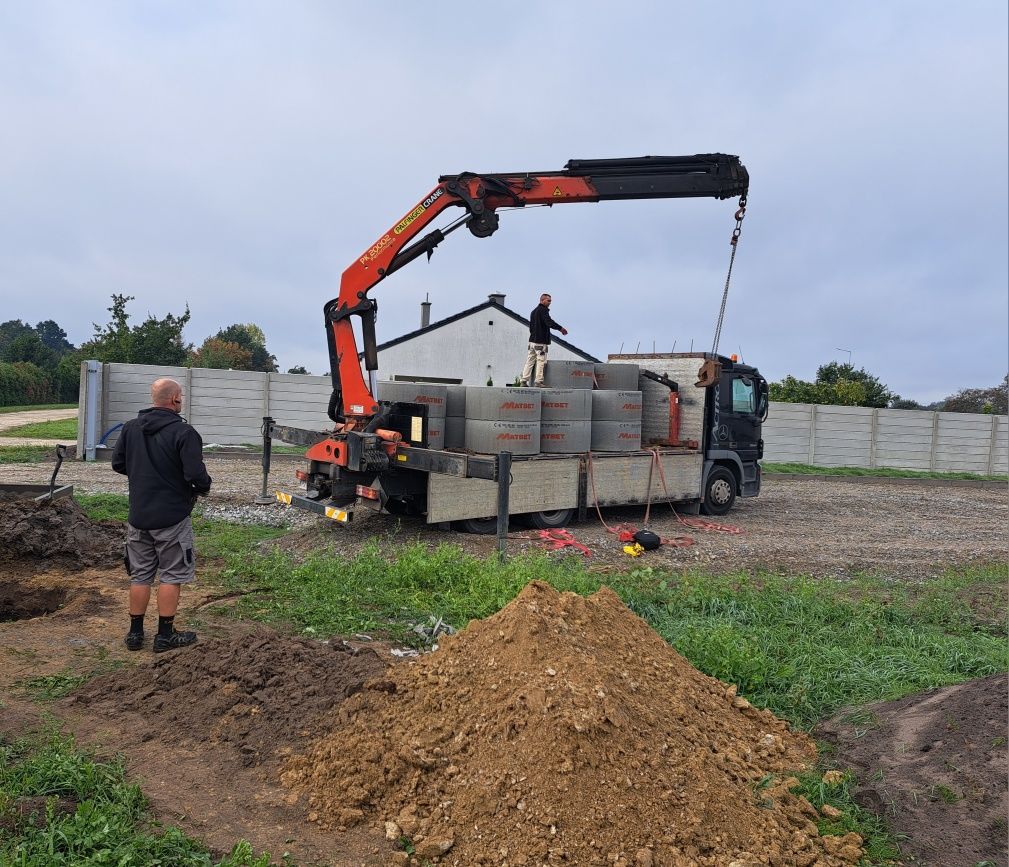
(22, 382)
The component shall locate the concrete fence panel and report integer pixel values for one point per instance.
(225, 406)
(854, 436)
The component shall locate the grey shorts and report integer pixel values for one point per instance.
(169, 552)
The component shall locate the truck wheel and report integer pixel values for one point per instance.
(719, 492)
(479, 526)
(552, 520)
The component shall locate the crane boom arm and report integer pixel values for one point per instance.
(717, 176)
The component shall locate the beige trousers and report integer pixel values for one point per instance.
(536, 359)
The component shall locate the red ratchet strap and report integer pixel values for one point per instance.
(690, 521)
(555, 540)
(625, 532)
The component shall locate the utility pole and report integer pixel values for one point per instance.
(838, 348)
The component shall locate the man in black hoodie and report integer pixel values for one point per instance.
(162, 456)
(540, 324)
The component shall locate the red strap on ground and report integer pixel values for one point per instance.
(555, 540)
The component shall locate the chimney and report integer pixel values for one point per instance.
(497, 298)
(425, 311)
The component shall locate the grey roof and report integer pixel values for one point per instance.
(486, 305)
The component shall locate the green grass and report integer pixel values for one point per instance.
(880, 472)
(58, 429)
(214, 539)
(880, 846)
(49, 687)
(26, 454)
(29, 408)
(87, 814)
(801, 647)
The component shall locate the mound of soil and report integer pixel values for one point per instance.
(935, 765)
(257, 693)
(564, 730)
(56, 531)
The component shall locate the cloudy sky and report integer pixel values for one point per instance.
(238, 156)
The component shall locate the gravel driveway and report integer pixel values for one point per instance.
(811, 526)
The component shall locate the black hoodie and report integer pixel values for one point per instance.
(163, 458)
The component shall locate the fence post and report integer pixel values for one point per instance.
(811, 454)
(873, 427)
(91, 382)
(992, 443)
(190, 406)
(105, 369)
(504, 480)
(935, 441)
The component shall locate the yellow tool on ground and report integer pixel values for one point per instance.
(634, 550)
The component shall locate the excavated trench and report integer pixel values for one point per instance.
(21, 601)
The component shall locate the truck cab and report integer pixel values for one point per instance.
(734, 413)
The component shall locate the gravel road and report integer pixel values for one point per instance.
(809, 526)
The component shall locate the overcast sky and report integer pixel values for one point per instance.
(238, 156)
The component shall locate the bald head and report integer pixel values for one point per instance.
(167, 394)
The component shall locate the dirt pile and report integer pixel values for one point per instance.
(563, 730)
(57, 531)
(936, 764)
(256, 693)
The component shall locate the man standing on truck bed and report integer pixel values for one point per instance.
(540, 324)
(162, 456)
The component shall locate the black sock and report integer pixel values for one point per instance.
(137, 623)
(166, 626)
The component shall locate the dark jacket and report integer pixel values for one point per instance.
(163, 458)
(540, 324)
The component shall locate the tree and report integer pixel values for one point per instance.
(54, 337)
(876, 394)
(298, 368)
(250, 336)
(154, 341)
(987, 400)
(30, 348)
(899, 402)
(220, 355)
(11, 330)
(837, 384)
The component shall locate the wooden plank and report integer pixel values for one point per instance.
(621, 479)
(537, 485)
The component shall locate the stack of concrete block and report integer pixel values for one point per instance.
(455, 417)
(566, 422)
(503, 419)
(434, 397)
(616, 421)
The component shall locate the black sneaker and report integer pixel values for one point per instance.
(134, 640)
(173, 641)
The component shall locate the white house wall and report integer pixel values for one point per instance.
(486, 344)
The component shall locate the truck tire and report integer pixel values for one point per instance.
(719, 492)
(551, 520)
(477, 526)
